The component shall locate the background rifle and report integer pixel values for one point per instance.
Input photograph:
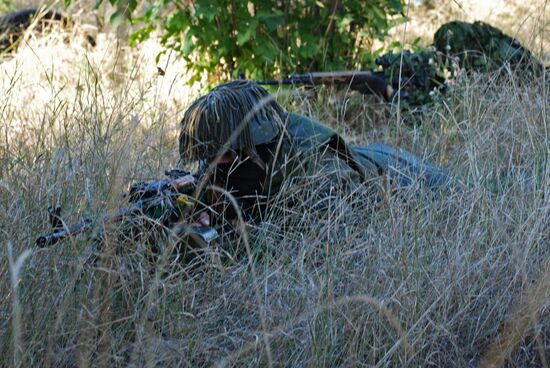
(366, 82)
(165, 201)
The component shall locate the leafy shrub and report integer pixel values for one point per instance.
(264, 37)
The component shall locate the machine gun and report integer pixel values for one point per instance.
(365, 82)
(164, 201)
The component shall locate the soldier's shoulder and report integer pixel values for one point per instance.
(307, 133)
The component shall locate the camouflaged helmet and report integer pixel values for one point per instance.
(237, 115)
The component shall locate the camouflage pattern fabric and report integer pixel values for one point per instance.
(311, 143)
(305, 144)
(299, 151)
(222, 118)
(457, 46)
(482, 47)
(401, 167)
(421, 73)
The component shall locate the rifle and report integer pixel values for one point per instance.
(365, 82)
(164, 201)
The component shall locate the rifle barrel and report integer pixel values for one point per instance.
(365, 82)
(343, 76)
(276, 82)
(52, 237)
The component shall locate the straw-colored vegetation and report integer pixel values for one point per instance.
(457, 279)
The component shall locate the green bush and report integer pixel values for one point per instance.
(265, 38)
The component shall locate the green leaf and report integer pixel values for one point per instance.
(117, 18)
(343, 23)
(209, 12)
(273, 21)
(157, 58)
(186, 45)
(178, 22)
(141, 35)
(267, 52)
(132, 4)
(150, 12)
(244, 37)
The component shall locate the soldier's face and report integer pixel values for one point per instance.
(242, 177)
(239, 174)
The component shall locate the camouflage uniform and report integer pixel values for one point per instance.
(306, 145)
(298, 149)
(482, 47)
(457, 46)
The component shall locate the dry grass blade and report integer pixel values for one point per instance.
(519, 324)
(16, 266)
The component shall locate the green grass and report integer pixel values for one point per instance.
(452, 280)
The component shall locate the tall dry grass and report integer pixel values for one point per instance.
(456, 279)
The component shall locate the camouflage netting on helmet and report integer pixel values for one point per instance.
(422, 73)
(237, 115)
(481, 47)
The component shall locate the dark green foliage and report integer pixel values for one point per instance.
(480, 46)
(266, 38)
